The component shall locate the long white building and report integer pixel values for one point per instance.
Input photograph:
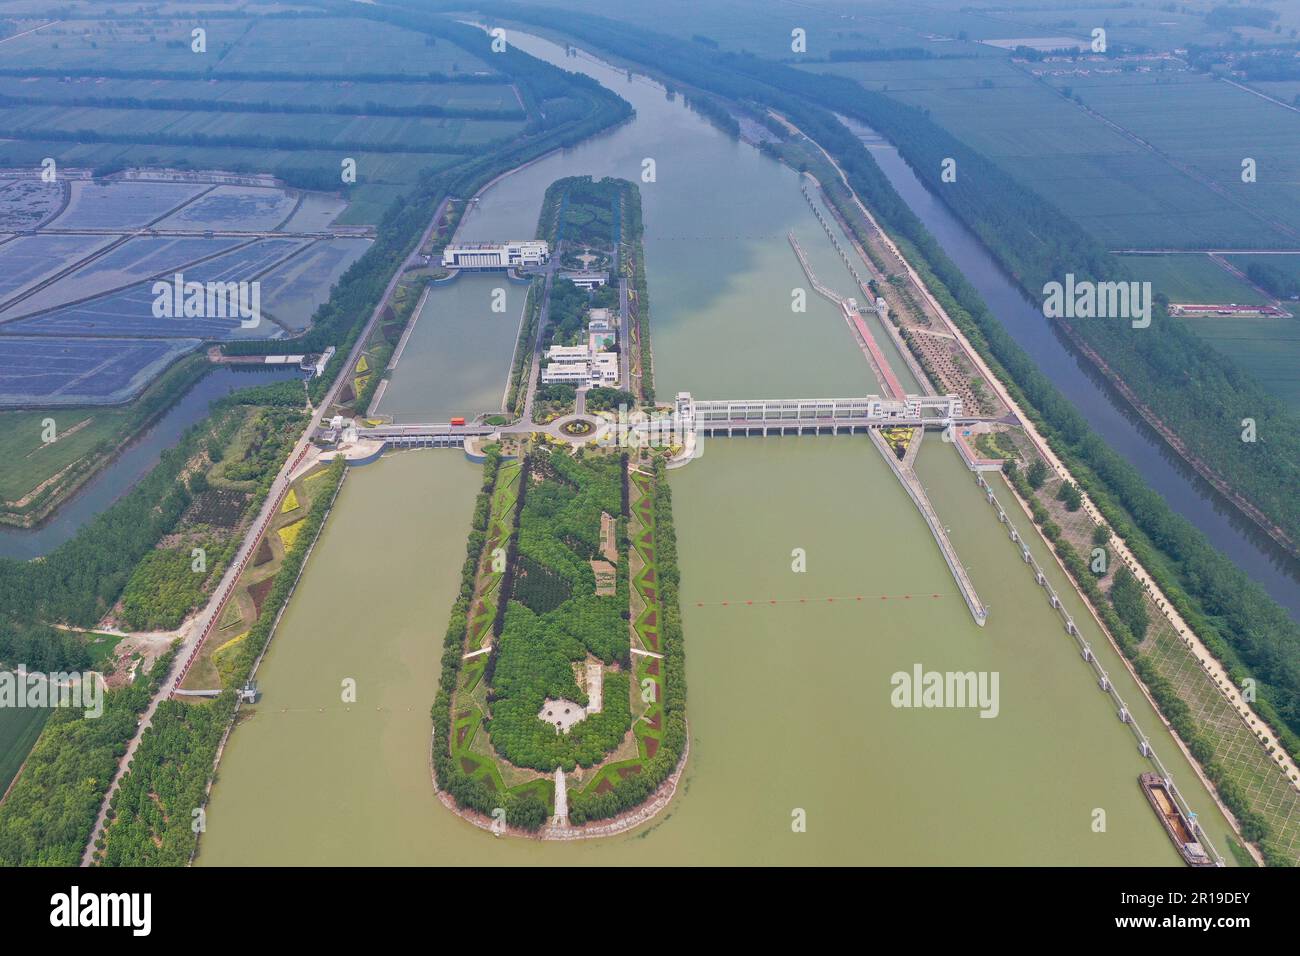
(496, 255)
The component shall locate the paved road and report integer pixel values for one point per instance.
(198, 626)
(624, 339)
(535, 371)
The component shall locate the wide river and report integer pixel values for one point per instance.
(789, 703)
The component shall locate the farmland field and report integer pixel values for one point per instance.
(27, 260)
(292, 292)
(130, 311)
(313, 86)
(19, 728)
(381, 177)
(418, 133)
(121, 205)
(292, 95)
(135, 259)
(1212, 127)
(1269, 349)
(303, 94)
(316, 211)
(1191, 278)
(1288, 265)
(51, 371)
(249, 208)
(30, 460)
(1125, 194)
(309, 44)
(26, 203)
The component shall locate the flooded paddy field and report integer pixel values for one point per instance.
(79, 316)
(120, 266)
(247, 208)
(126, 205)
(292, 292)
(50, 371)
(25, 203)
(27, 260)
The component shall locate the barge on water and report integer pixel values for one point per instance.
(1176, 824)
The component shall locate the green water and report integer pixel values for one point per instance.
(457, 357)
(790, 705)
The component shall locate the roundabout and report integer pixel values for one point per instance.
(577, 427)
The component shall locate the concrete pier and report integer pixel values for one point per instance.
(912, 484)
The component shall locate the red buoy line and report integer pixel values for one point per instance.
(772, 602)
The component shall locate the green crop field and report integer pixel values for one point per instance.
(329, 45)
(326, 94)
(1125, 194)
(1269, 349)
(1290, 265)
(423, 134)
(107, 44)
(92, 121)
(19, 728)
(1211, 127)
(29, 460)
(1191, 278)
(290, 45)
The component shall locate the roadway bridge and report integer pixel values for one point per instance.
(817, 416)
(798, 416)
(430, 435)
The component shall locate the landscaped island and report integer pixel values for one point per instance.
(562, 698)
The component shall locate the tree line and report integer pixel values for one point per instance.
(369, 108)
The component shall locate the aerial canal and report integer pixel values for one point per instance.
(1109, 415)
(790, 702)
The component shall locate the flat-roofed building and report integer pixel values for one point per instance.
(496, 255)
(568, 353)
(585, 278)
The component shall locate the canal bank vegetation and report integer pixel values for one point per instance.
(79, 582)
(522, 366)
(151, 817)
(49, 813)
(1234, 617)
(1232, 756)
(136, 562)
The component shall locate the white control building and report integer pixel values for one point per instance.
(496, 255)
